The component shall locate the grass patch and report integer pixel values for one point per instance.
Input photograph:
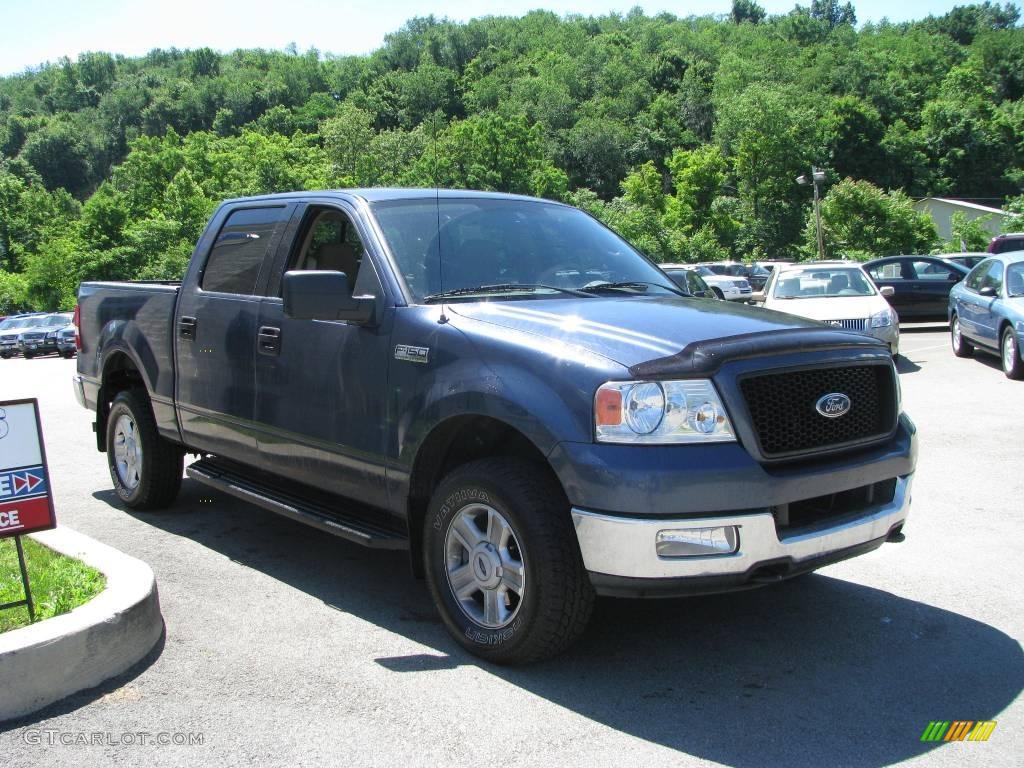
(58, 583)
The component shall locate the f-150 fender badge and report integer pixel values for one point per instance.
(412, 354)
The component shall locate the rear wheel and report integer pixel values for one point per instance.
(961, 346)
(1012, 365)
(144, 467)
(503, 564)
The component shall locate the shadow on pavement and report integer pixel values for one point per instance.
(924, 327)
(813, 672)
(905, 365)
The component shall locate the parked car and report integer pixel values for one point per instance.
(986, 311)
(1011, 241)
(377, 363)
(838, 293)
(770, 264)
(969, 259)
(67, 341)
(920, 284)
(689, 281)
(41, 337)
(11, 329)
(729, 288)
(755, 274)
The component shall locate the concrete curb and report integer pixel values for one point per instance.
(47, 661)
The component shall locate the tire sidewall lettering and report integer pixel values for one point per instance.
(457, 501)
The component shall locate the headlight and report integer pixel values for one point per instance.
(882, 319)
(687, 411)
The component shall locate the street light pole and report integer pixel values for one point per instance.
(817, 178)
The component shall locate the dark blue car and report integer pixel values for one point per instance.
(986, 311)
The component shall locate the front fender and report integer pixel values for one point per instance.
(543, 413)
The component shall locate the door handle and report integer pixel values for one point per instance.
(269, 340)
(187, 328)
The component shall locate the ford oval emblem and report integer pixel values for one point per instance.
(833, 405)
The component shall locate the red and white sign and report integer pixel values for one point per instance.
(26, 504)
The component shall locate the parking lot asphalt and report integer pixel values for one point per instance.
(286, 646)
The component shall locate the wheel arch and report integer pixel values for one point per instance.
(120, 372)
(456, 441)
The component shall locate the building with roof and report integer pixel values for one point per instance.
(941, 209)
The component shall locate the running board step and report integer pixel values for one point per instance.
(233, 480)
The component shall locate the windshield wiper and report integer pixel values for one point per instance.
(629, 286)
(502, 288)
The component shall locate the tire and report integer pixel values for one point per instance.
(144, 467)
(961, 346)
(501, 527)
(1010, 355)
(29, 355)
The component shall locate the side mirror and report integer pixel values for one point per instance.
(987, 291)
(323, 295)
(887, 291)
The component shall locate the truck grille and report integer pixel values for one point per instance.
(34, 336)
(783, 409)
(849, 325)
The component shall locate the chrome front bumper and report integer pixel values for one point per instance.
(626, 547)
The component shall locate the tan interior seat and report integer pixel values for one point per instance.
(337, 256)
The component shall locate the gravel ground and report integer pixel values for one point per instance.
(285, 646)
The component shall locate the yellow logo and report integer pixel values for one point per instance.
(958, 730)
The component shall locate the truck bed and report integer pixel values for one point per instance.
(136, 318)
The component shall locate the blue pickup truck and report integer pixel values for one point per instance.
(507, 389)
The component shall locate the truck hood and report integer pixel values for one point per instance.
(636, 330)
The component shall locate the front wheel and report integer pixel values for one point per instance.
(144, 467)
(961, 346)
(503, 564)
(1012, 365)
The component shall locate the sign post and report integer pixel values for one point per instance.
(26, 504)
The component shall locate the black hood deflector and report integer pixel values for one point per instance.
(706, 357)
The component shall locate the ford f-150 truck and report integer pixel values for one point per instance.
(505, 388)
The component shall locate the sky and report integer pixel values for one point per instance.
(33, 32)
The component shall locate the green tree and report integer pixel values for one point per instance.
(346, 139)
(746, 10)
(967, 234)
(61, 157)
(770, 138)
(861, 221)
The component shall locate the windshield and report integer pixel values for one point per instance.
(55, 321)
(705, 272)
(1015, 279)
(823, 282)
(448, 247)
(12, 322)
